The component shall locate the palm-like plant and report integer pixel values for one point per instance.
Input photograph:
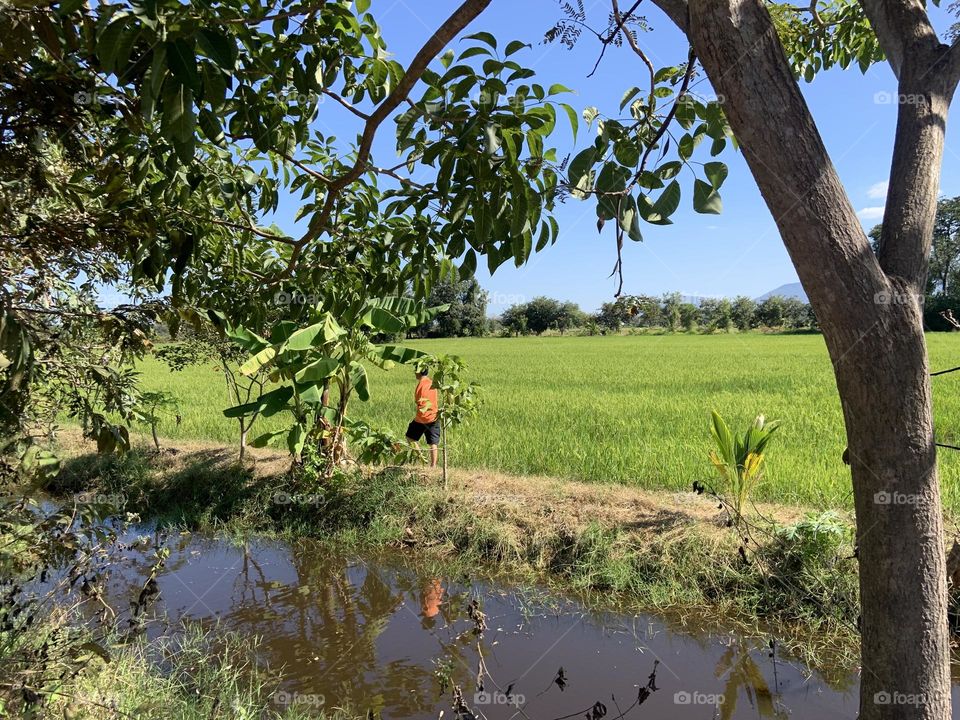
(739, 460)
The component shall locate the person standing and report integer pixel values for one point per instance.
(425, 424)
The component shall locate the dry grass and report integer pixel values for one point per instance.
(529, 501)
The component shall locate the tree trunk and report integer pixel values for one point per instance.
(870, 312)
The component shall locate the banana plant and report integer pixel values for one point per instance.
(327, 354)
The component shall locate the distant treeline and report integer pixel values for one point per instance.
(467, 314)
(669, 312)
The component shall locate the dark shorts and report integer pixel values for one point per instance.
(417, 430)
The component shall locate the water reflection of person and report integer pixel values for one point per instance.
(431, 597)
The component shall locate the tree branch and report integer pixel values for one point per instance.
(677, 10)
(349, 106)
(902, 27)
(461, 17)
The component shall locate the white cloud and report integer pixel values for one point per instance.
(871, 213)
(878, 190)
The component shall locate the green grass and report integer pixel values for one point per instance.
(631, 410)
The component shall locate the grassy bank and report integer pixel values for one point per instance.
(608, 544)
(628, 410)
(194, 675)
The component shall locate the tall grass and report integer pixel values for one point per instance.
(633, 410)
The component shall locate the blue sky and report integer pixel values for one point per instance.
(738, 252)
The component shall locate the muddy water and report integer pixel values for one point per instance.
(379, 636)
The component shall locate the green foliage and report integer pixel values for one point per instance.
(307, 362)
(739, 460)
(825, 34)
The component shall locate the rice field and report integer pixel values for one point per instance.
(624, 409)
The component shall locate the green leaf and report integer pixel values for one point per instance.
(574, 119)
(668, 202)
(97, 649)
(446, 58)
(628, 96)
(325, 331)
(629, 219)
(483, 37)
(267, 404)
(218, 47)
(716, 173)
(384, 321)
(247, 339)
(211, 126)
(469, 266)
(295, 439)
(400, 354)
(557, 88)
(362, 6)
(258, 361)
(264, 440)
(514, 46)
(108, 44)
(581, 165)
(178, 121)
(183, 63)
(706, 200)
(359, 380)
(473, 52)
(318, 370)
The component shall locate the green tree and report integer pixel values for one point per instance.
(466, 315)
(614, 315)
(742, 312)
(770, 312)
(569, 315)
(688, 316)
(716, 314)
(542, 313)
(670, 304)
(514, 319)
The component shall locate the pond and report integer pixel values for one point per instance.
(377, 634)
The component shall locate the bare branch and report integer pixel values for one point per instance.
(349, 106)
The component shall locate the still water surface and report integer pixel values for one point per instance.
(374, 634)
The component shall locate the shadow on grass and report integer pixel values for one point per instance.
(208, 488)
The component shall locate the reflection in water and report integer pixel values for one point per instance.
(376, 636)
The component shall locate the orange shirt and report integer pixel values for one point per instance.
(425, 398)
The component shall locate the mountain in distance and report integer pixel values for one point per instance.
(790, 290)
